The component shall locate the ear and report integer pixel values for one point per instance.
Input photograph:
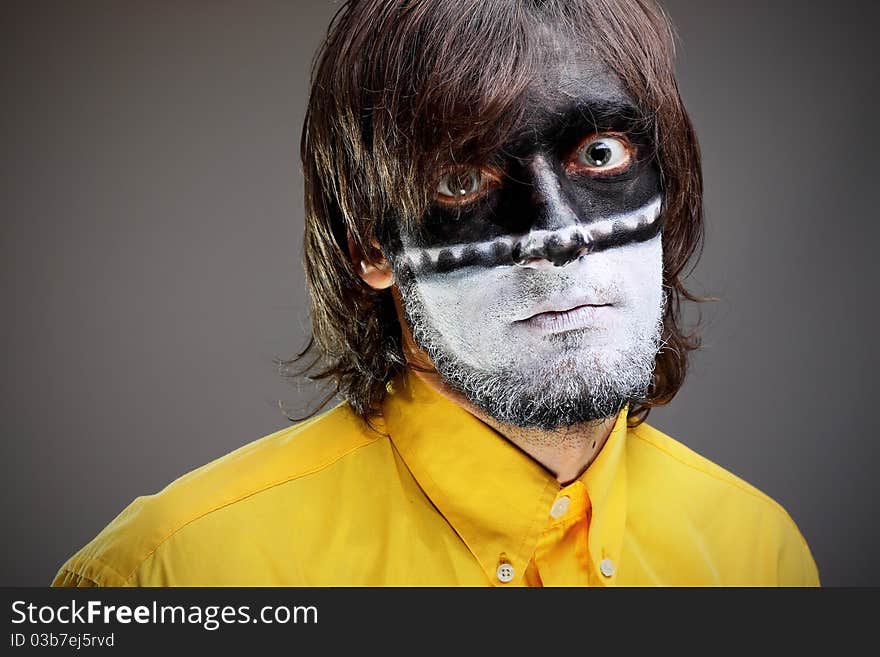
(377, 274)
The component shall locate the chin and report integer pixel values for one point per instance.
(557, 391)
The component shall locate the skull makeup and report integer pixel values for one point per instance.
(534, 283)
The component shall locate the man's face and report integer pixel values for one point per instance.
(535, 282)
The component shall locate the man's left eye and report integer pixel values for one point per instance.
(603, 154)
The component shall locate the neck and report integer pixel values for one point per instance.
(566, 452)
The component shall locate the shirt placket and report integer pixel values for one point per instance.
(562, 555)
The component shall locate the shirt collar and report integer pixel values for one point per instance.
(495, 496)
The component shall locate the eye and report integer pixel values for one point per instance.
(604, 153)
(463, 185)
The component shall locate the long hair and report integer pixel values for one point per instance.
(402, 87)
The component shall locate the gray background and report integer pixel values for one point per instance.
(151, 231)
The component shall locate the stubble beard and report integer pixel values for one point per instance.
(580, 386)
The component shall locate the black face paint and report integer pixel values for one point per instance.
(540, 209)
(557, 246)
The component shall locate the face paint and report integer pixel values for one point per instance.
(535, 283)
(558, 247)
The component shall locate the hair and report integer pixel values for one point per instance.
(390, 87)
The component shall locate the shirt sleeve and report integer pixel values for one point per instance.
(797, 567)
(68, 579)
(87, 570)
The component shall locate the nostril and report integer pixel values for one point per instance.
(548, 249)
(525, 255)
(562, 258)
(531, 262)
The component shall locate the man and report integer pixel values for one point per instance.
(501, 197)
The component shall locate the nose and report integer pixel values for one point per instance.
(553, 238)
(552, 210)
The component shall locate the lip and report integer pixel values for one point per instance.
(556, 321)
(566, 302)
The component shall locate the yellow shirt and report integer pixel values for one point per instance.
(437, 497)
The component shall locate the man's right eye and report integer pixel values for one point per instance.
(464, 185)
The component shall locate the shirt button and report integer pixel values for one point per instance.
(606, 567)
(560, 506)
(505, 572)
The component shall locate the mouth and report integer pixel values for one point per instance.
(557, 321)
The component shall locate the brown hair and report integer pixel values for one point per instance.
(390, 87)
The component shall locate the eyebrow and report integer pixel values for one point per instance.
(565, 124)
(600, 107)
(590, 113)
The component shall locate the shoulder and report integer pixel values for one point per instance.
(250, 475)
(652, 447)
(727, 510)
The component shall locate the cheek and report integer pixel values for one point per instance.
(470, 311)
(468, 298)
(636, 270)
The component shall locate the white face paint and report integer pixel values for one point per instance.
(493, 334)
(643, 218)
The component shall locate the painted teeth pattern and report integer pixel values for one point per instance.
(448, 256)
